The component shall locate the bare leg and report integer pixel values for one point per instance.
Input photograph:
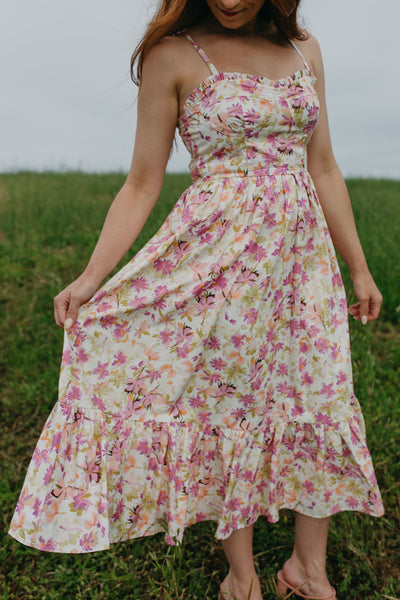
(242, 582)
(308, 558)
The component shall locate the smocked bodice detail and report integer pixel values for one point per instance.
(238, 124)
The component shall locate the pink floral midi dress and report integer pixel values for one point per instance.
(210, 378)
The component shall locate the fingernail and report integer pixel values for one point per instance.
(364, 319)
(68, 323)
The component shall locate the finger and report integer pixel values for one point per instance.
(354, 309)
(59, 312)
(375, 308)
(364, 311)
(72, 313)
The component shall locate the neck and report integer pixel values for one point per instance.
(252, 28)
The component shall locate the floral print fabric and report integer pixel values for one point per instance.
(211, 377)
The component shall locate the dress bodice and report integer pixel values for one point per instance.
(239, 124)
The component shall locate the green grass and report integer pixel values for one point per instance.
(49, 224)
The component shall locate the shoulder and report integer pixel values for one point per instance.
(168, 60)
(311, 49)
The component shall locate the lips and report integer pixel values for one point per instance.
(229, 13)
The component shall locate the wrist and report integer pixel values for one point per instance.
(92, 276)
(358, 270)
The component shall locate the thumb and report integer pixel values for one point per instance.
(72, 314)
(364, 310)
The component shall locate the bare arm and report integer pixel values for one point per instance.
(335, 202)
(157, 116)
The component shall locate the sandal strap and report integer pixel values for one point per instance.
(332, 595)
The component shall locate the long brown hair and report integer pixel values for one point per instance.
(173, 15)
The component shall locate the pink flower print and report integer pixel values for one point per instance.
(55, 442)
(121, 329)
(343, 305)
(162, 498)
(166, 337)
(337, 280)
(239, 413)
(87, 541)
(183, 350)
(82, 356)
(101, 370)
(181, 248)
(133, 385)
(285, 146)
(335, 321)
(197, 401)
(238, 340)
(48, 474)
(108, 321)
(309, 486)
(39, 456)
(247, 400)
(300, 102)
(249, 85)
(282, 369)
(119, 358)
(304, 345)
(166, 266)
(259, 252)
(278, 312)
(309, 248)
(307, 379)
(224, 390)
(92, 470)
(211, 377)
(327, 390)
(251, 316)
(46, 545)
(252, 116)
(218, 363)
(139, 284)
(25, 499)
(341, 378)
(206, 301)
(81, 501)
(296, 250)
(118, 511)
(178, 409)
(67, 357)
(335, 351)
(36, 506)
(184, 333)
(288, 390)
(204, 417)
(62, 491)
(74, 394)
(323, 419)
(352, 502)
(99, 403)
(218, 120)
(270, 219)
(313, 331)
(322, 345)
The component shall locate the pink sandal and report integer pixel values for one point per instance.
(284, 586)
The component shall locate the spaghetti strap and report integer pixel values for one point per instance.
(201, 53)
(300, 54)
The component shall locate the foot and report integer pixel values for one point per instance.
(296, 575)
(233, 589)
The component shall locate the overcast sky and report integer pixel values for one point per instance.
(67, 101)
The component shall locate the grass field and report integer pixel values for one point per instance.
(49, 224)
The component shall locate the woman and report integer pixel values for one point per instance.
(210, 378)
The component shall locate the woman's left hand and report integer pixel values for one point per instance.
(370, 298)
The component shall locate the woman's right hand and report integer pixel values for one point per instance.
(67, 302)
